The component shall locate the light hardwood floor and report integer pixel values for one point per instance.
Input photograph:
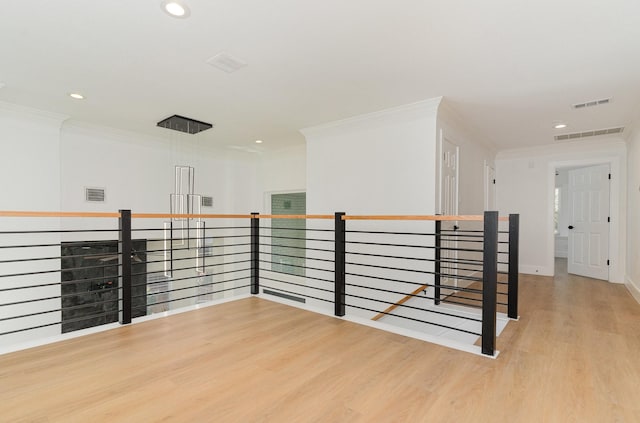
(573, 356)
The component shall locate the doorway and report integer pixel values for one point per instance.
(449, 206)
(581, 219)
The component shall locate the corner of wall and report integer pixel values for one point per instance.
(633, 288)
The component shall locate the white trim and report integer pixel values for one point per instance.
(531, 269)
(58, 118)
(420, 108)
(633, 288)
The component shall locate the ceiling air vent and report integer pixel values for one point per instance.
(585, 134)
(591, 103)
(226, 62)
(184, 124)
(94, 195)
(207, 201)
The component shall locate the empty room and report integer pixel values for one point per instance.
(362, 211)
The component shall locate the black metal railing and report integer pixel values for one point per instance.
(452, 274)
(55, 280)
(413, 270)
(296, 263)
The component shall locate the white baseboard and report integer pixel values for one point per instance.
(536, 270)
(633, 288)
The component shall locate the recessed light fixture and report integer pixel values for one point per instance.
(258, 141)
(77, 96)
(177, 9)
(559, 125)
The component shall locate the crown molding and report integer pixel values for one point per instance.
(396, 114)
(25, 111)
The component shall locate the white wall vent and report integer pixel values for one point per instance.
(585, 134)
(207, 201)
(591, 103)
(94, 195)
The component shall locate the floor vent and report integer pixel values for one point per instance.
(94, 195)
(184, 124)
(585, 134)
(286, 296)
(591, 103)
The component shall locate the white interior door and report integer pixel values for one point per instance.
(449, 206)
(490, 188)
(589, 222)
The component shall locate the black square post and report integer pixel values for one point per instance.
(514, 239)
(255, 253)
(339, 274)
(124, 254)
(437, 267)
(489, 282)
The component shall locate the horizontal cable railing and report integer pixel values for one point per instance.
(296, 257)
(61, 272)
(55, 278)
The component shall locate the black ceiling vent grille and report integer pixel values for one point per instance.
(184, 124)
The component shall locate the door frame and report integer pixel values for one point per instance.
(616, 235)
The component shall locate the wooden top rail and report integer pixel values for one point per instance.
(188, 216)
(296, 216)
(476, 218)
(56, 214)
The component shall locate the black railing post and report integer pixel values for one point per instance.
(125, 248)
(339, 273)
(255, 253)
(489, 282)
(514, 239)
(436, 270)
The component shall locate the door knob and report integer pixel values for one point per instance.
(570, 226)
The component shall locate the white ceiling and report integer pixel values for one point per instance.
(509, 67)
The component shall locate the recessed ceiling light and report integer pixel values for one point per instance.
(559, 125)
(177, 9)
(76, 96)
(258, 141)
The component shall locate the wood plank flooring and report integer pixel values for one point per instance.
(572, 357)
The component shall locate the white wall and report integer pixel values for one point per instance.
(379, 163)
(284, 169)
(29, 170)
(632, 279)
(137, 171)
(525, 183)
(280, 171)
(561, 246)
(475, 153)
(33, 183)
